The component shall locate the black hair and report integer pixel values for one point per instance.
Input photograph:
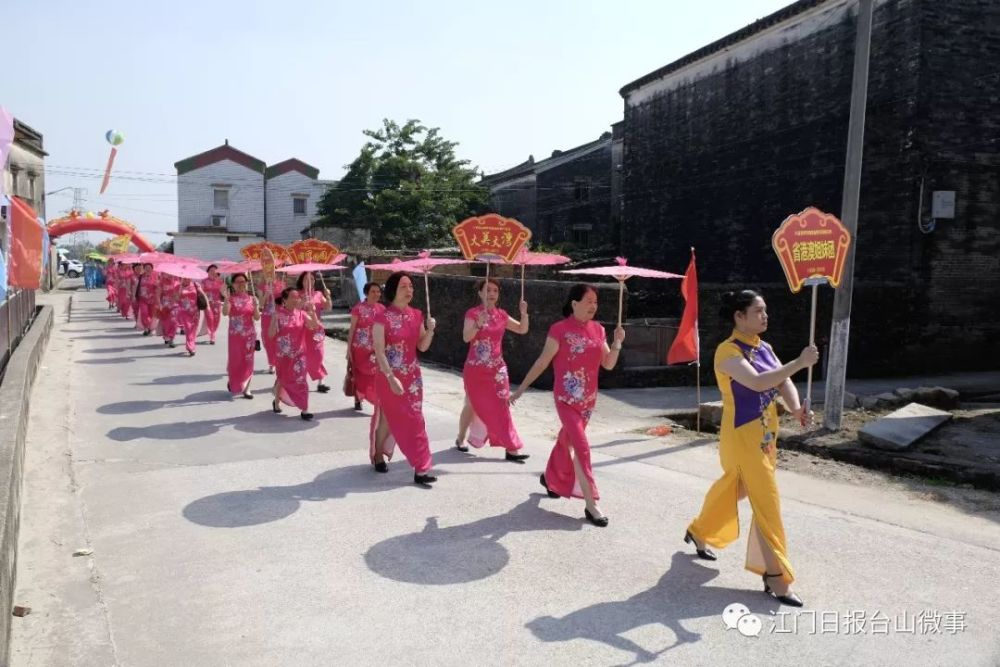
(211, 266)
(239, 275)
(300, 283)
(481, 283)
(576, 293)
(736, 302)
(391, 285)
(284, 295)
(147, 264)
(369, 286)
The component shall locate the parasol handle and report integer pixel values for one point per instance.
(427, 295)
(621, 297)
(522, 282)
(485, 286)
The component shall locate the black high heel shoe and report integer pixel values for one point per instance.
(790, 599)
(704, 554)
(515, 457)
(424, 480)
(601, 522)
(275, 406)
(306, 416)
(552, 494)
(459, 446)
(381, 466)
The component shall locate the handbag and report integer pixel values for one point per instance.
(256, 345)
(349, 382)
(202, 301)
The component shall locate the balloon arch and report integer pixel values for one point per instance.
(102, 222)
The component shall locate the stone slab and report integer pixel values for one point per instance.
(902, 429)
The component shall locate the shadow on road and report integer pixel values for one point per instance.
(236, 509)
(459, 554)
(680, 594)
(261, 422)
(181, 379)
(135, 407)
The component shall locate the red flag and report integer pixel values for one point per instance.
(685, 347)
(26, 232)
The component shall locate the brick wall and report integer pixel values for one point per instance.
(575, 195)
(719, 152)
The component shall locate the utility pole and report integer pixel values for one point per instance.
(840, 329)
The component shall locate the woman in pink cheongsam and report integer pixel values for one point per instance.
(188, 315)
(242, 310)
(487, 386)
(213, 286)
(167, 297)
(291, 325)
(398, 333)
(316, 343)
(146, 299)
(268, 292)
(125, 289)
(577, 348)
(111, 284)
(360, 348)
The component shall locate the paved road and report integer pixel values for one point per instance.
(223, 534)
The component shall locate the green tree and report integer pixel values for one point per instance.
(407, 186)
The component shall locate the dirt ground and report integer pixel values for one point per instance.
(972, 437)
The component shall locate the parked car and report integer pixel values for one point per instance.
(74, 268)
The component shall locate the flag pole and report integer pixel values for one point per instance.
(812, 341)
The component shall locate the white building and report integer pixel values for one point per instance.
(227, 199)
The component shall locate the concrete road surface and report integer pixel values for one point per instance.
(223, 534)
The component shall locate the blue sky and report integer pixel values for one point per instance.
(303, 79)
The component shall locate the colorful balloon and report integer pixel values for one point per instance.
(114, 137)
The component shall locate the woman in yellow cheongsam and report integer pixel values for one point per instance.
(750, 378)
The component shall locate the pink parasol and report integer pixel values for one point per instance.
(526, 257)
(622, 272)
(227, 268)
(313, 266)
(182, 271)
(423, 263)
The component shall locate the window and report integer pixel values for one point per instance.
(581, 238)
(221, 199)
(298, 205)
(232, 239)
(581, 189)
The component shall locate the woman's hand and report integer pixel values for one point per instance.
(395, 385)
(430, 324)
(482, 319)
(809, 356)
(804, 415)
(523, 308)
(619, 336)
(516, 396)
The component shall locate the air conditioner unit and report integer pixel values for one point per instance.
(218, 221)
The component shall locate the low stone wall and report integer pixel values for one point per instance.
(15, 392)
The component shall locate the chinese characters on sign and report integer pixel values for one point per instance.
(811, 245)
(256, 251)
(491, 236)
(309, 251)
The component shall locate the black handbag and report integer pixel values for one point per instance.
(256, 345)
(202, 301)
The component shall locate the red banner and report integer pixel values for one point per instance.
(491, 236)
(26, 239)
(309, 251)
(811, 245)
